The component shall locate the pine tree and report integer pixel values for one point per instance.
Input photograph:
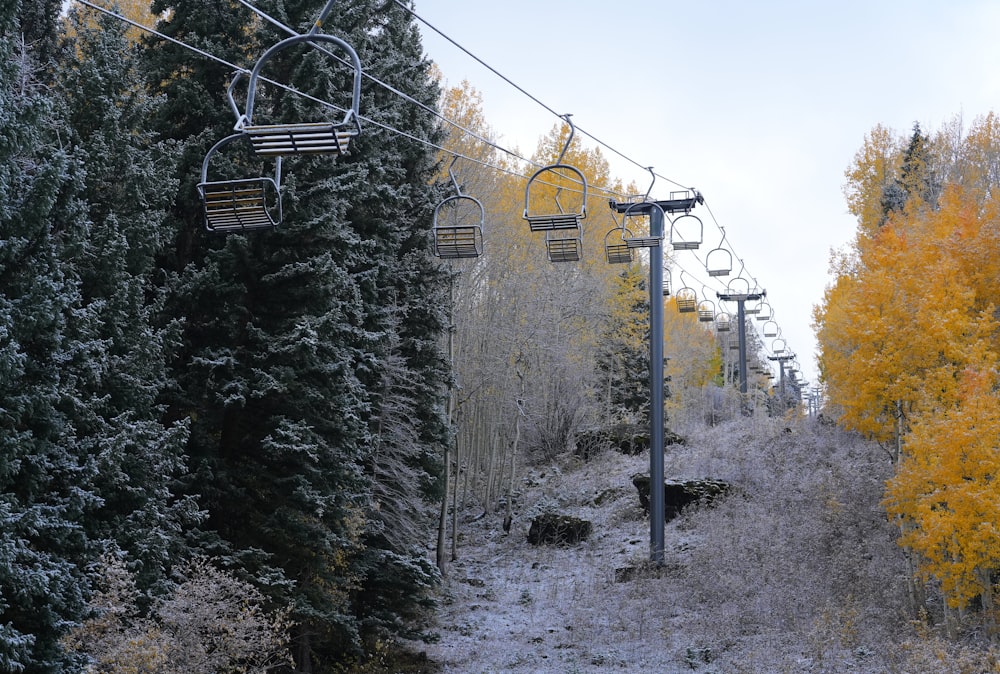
(301, 343)
(119, 363)
(43, 487)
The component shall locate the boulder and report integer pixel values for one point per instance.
(678, 494)
(558, 529)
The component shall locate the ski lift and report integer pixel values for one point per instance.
(542, 220)
(706, 311)
(764, 311)
(687, 300)
(722, 321)
(666, 282)
(560, 246)
(649, 241)
(239, 205)
(322, 137)
(738, 287)
(686, 230)
(719, 261)
(459, 234)
(615, 248)
(734, 342)
(778, 346)
(770, 329)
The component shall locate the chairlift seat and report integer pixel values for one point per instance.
(618, 253)
(706, 311)
(458, 242)
(549, 222)
(240, 205)
(309, 138)
(563, 250)
(644, 242)
(686, 232)
(300, 139)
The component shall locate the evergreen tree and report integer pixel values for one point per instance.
(119, 360)
(301, 344)
(623, 358)
(44, 488)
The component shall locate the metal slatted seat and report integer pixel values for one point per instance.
(286, 139)
(615, 248)
(242, 204)
(458, 242)
(559, 248)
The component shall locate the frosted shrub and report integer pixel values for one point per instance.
(210, 622)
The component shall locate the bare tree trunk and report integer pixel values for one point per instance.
(443, 514)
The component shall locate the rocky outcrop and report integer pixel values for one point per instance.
(628, 439)
(678, 494)
(558, 529)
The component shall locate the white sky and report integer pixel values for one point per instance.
(759, 105)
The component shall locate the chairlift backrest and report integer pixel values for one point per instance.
(564, 245)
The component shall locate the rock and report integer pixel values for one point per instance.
(558, 529)
(679, 494)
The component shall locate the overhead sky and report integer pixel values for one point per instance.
(759, 105)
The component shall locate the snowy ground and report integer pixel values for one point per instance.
(796, 571)
(508, 606)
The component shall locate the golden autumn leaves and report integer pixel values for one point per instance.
(909, 341)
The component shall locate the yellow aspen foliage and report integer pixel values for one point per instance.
(894, 324)
(947, 486)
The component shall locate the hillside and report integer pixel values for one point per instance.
(796, 571)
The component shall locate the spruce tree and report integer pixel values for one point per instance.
(301, 344)
(119, 358)
(44, 488)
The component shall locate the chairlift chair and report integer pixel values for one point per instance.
(778, 346)
(666, 283)
(542, 219)
(687, 300)
(686, 232)
(738, 287)
(734, 342)
(649, 241)
(458, 224)
(706, 311)
(719, 261)
(764, 311)
(722, 321)
(318, 137)
(770, 329)
(239, 205)
(615, 248)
